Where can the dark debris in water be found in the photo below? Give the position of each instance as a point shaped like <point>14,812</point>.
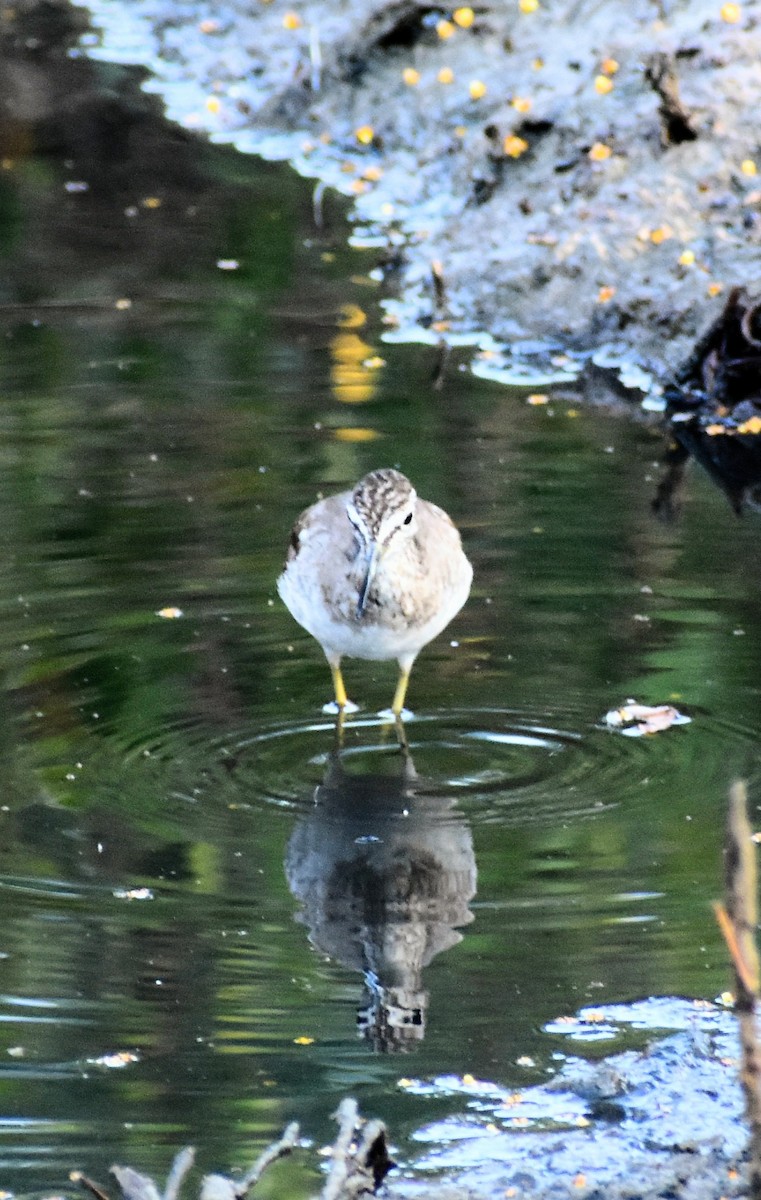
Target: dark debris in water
<point>714,409</point>
<point>359,1162</point>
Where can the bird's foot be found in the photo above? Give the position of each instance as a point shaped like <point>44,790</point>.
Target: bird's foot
<point>332,709</point>
<point>388,714</point>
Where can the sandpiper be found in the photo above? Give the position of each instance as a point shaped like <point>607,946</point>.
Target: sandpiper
<point>375,573</point>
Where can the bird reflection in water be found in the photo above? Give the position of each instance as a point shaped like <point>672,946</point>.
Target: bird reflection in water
<point>384,871</point>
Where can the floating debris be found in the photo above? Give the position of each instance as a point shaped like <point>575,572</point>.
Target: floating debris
<point>636,720</point>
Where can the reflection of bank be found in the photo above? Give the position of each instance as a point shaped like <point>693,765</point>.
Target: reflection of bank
<point>384,876</point>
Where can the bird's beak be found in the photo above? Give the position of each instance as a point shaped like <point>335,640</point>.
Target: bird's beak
<point>371,564</point>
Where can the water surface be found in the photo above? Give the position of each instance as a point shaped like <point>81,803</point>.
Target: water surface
<point>189,875</point>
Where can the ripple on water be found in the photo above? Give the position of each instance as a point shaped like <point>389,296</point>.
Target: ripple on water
<point>498,765</point>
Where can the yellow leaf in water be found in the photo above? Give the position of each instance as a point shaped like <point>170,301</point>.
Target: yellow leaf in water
<point>715,430</point>
<point>410,76</point>
<point>528,6</point>
<point>292,20</point>
<point>170,613</point>
<point>537,398</point>
<point>748,167</point>
<point>445,29</point>
<point>303,1041</point>
<point>661,234</point>
<point>603,85</point>
<point>445,75</point>
<point>364,134</point>
<point>605,294</point>
<point>522,104</point>
<point>686,258</point>
<point>469,1080</point>
<point>477,89</point>
<point>715,289</point>
<point>609,66</point>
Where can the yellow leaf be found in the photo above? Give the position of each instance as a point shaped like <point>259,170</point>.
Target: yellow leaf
<point>364,134</point>
<point>748,167</point>
<point>514,146</point>
<point>603,85</point>
<point>464,17</point>
<point>686,258</point>
<point>661,234</point>
<point>537,398</point>
<point>609,66</point>
<point>522,104</point>
<point>303,1041</point>
<point>731,13</point>
<point>715,430</point>
<point>605,294</point>
<point>477,89</point>
<point>528,6</point>
<point>292,20</point>
<point>752,425</point>
<point>715,289</point>
<point>410,76</point>
<point>445,75</point>
<point>445,29</point>
<point>599,152</point>
<point>170,613</point>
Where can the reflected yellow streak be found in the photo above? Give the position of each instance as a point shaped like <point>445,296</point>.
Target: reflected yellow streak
<point>351,380</point>
<point>355,434</point>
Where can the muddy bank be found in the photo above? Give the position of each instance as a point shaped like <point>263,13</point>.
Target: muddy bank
<point>663,1120</point>
<point>584,174</point>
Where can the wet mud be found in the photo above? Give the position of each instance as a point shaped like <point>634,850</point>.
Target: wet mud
<point>577,175</point>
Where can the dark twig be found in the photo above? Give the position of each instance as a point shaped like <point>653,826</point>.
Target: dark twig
<point>89,1185</point>
<point>360,1161</point>
<point>677,122</point>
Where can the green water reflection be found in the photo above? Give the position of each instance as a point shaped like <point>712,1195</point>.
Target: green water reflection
<point>163,420</point>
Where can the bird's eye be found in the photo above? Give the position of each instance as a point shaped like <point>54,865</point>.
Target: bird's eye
<point>408,519</point>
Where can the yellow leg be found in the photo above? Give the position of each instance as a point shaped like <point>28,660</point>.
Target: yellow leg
<point>338,685</point>
<point>401,689</point>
